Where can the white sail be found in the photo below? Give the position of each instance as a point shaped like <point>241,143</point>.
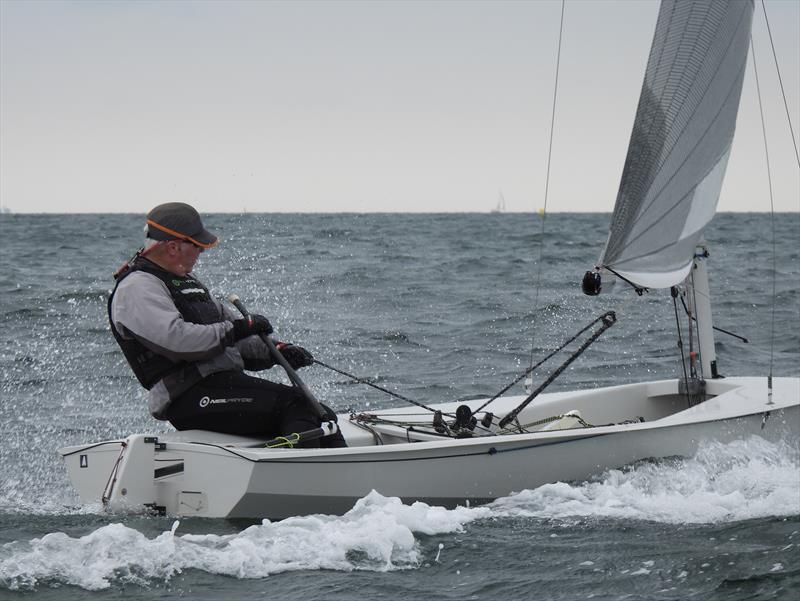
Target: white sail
<point>681,140</point>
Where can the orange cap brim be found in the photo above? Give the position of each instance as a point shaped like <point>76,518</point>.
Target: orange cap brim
<point>180,236</point>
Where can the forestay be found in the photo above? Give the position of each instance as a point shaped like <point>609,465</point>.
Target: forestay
<point>681,140</point>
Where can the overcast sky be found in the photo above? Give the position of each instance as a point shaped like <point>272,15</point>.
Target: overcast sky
<point>348,106</point>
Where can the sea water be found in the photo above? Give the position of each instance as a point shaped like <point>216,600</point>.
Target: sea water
<point>435,307</point>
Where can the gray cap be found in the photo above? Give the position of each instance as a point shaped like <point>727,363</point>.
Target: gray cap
<point>177,220</point>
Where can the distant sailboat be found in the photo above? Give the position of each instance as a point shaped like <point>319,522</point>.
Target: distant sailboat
<point>501,203</point>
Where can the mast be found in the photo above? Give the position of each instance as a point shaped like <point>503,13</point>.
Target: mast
<point>699,295</point>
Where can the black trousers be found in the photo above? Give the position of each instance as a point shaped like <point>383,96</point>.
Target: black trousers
<point>235,403</point>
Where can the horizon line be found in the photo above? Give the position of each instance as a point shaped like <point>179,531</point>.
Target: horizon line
<point>9,213</point>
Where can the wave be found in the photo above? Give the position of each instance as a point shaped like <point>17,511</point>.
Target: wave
<point>741,480</point>
<point>377,535</point>
<point>721,483</point>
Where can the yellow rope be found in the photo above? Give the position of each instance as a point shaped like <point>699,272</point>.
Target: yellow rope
<point>285,441</point>
<point>554,418</point>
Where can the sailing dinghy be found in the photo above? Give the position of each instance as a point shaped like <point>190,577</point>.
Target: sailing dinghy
<point>470,452</point>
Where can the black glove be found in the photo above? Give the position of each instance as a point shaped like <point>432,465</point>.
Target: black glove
<point>257,324</point>
<point>296,356</point>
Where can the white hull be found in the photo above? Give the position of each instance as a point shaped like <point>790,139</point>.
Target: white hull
<point>212,475</point>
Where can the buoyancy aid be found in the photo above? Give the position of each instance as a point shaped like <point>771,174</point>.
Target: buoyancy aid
<point>193,302</point>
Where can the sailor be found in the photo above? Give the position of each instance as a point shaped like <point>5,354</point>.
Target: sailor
<point>189,351</point>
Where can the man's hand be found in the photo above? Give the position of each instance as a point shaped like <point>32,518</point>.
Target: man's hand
<point>296,356</point>
<point>257,324</point>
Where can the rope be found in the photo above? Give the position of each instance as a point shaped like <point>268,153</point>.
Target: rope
<point>555,418</point>
<point>284,441</point>
<point>371,418</point>
<point>690,327</point>
<point>780,81</point>
<point>547,182</point>
<point>771,210</point>
<point>609,319</point>
<point>674,292</point>
<point>375,386</point>
<point>639,290</point>
<point>539,364</point>
<point>363,419</point>
<point>364,426</point>
<point>715,328</point>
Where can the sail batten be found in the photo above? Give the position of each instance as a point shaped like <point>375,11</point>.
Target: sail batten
<point>681,139</point>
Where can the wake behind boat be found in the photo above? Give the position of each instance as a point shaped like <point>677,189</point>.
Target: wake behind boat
<point>457,453</point>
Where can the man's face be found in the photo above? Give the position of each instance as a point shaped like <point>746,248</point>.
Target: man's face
<point>186,255</point>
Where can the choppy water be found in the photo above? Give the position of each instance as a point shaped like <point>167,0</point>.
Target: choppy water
<point>436,307</point>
